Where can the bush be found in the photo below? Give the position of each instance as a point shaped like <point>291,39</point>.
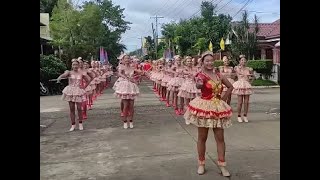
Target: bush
<point>261,82</point>
<point>50,67</point>
<point>261,66</point>
<point>218,63</point>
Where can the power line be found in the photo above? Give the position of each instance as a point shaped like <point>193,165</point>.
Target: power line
<point>230,10</point>
<point>224,5</point>
<point>249,1</point>
<point>262,12</point>
<point>161,7</point>
<point>200,8</point>
<point>183,9</point>
<point>172,12</point>
<point>147,30</point>
<point>218,10</point>
<point>168,11</point>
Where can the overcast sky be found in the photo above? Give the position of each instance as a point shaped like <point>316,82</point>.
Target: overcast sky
<point>138,12</point>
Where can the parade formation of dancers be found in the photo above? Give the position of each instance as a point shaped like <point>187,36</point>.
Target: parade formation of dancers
<point>191,85</point>
<point>84,86</point>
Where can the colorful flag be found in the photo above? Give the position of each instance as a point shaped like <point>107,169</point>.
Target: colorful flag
<point>210,46</point>
<point>222,44</point>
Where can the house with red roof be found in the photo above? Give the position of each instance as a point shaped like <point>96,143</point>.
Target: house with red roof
<point>268,45</point>
<point>269,41</point>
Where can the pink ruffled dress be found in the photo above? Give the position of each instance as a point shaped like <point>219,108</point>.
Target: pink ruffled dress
<point>242,85</point>
<point>188,88</point>
<point>73,92</point>
<point>166,77</point>
<point>126,89</point>
<point>175,83</point>
<point>159,76</point>
<point>153,75</point>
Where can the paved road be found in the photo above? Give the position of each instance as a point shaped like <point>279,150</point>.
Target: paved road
<point>160,146</point>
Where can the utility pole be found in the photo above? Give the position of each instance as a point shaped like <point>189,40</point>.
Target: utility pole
<point>156,34</point>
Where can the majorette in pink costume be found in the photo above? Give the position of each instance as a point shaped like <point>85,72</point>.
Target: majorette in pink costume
<point>74,92</point>
<point>159,75</point>
<point>175,83</point>
<point>209,110</point>
<point>93,85</point>
<point>126,89</point>
<point>166,76</point>
<point>242,85</point>
<point>90,88</point>
<point>188,88</point>
<point>153,72</point>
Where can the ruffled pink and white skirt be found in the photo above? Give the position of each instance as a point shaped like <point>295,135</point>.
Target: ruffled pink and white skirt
<point>188,89</point>
<point>73,94</point>
<point>153,76</point>
<point>166,78</point>
<point>117,82</point>
<point>242,87</point>
<point>126,90</point>
<point>175,83</point>
<point>158,77</point>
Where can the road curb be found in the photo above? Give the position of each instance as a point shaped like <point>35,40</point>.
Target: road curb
<point>264,87</point>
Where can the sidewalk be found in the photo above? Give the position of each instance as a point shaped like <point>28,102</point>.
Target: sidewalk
<point>160,146</point>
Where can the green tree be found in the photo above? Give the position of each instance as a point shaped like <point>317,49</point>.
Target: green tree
<point>161,49</point>
<point>188,37</point>
<point>50,67</point>
<point>150,45</point>
<point>46,6</point>
<point>244,40</point>
<point>201,45</point>
<point>81,31</point>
